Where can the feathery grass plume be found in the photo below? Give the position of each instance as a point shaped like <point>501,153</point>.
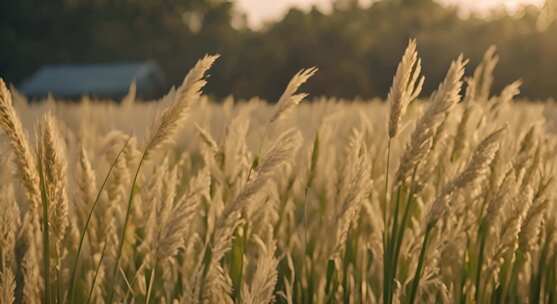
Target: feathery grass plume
<point>87,182</point>
<point>52,157</point>
<point>207,139</point>
<point>265,278</point>
<point>156,228</point>
<point>482,80</point>
<point>442,101</point>
<point>25,161</point>
<point>477,168</point>
<point>170,119</point>
<point>532,222</point>
<point>172,217</point>
<point>55,217</point>
<point>506,188</point>
<point>527,145</point>
<point>533,167</point>
<point>166,126</point>
<point>405,87</point>
<point>87,185</point>
<point>289,99</point>
<point>462,131</point>
<point>7,286</point>
<point>470,94</point>
<point>279,153</point>
<point>33,279</point>
<point>353,190</point>
<point>509,92</point>
<point>9,223</point>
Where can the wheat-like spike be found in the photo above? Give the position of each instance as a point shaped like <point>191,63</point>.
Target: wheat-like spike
<point>535,165</point>
<point>279,153</point>
<point>462,131</point>
<point>482,79</point>
<point>52,156</point>
<point>174,224</point>
<point>528,142</point>
<point>87,182</point>
<point>7,286</point>
<point>353,190</point>
<point>405,87</point>
<point>496,203</point>
<point>507,95</point>
<point>171,118</point>
<point>510,229</point>
<point>532,224</point>
<point>477,168</point>
<point>510,91</point>
<point>25,161</point>
<point>289,99</point>
<point>9,225</point>
<point>265,278</point>
<point>442,101</point>
<point>32,277</point>
<point>207,139</point>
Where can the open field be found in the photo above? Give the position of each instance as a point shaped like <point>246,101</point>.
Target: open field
<point>442,199</point>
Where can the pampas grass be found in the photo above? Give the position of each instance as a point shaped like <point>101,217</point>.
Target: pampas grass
<point>188,200</point>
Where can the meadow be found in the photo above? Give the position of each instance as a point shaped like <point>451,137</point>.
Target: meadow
<point>447,198</point>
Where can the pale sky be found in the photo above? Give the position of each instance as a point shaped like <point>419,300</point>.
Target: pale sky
<point>260,10</point>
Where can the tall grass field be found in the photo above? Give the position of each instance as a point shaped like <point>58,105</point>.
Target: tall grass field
<point>447,198</point>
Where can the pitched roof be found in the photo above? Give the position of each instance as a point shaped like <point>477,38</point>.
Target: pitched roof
<point>101,80</point>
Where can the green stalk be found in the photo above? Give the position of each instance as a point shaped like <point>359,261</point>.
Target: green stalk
<point>151,282</point>
<point>419,268</point>
<point>511,291</point>
<point>236,259</point>
<point>537,278</point>
<point>482,235</point>
<point>46,241</point>
<point>402,228</point>
<point>86,226</point>
<point>464,273</point>
<point>387,180</point>
<point>386,241</point>
<point>124,229</point>
<point>389,253</point>
<point>329,290</point>
<point>551,281</point>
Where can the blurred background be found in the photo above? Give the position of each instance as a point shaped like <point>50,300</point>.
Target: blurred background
<point>355,44</point>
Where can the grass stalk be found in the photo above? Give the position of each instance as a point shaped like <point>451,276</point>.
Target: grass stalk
<point>124,230</point>
<point>86,226</point>
<point>151,282</point>
<point>482,236</point>
<point>419,268</point>
<point>46,237</point>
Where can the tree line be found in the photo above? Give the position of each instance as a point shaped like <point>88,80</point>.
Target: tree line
<point>355,47</point>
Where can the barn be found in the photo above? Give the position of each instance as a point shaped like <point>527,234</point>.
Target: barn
<point>95,80</point>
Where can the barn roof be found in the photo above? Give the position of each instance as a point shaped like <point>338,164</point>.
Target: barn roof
<point>100,80</point>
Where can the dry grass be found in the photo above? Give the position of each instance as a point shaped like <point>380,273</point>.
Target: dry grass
<point>238,202</point>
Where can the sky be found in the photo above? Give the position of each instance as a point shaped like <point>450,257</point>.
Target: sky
<point>258,11</point>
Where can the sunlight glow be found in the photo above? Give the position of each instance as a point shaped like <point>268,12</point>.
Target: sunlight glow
<point>259,11</point>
